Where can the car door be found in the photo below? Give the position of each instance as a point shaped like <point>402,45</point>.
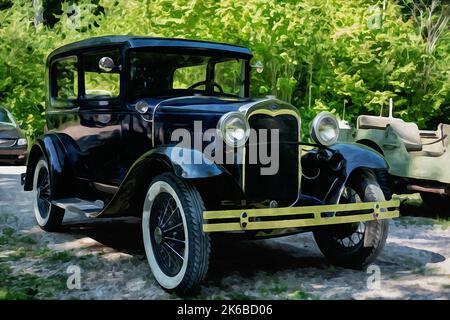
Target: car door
<point>84,110</point>
<point>101,117</point>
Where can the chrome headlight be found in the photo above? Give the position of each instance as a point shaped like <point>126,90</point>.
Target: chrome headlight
<point>324,129</point>
<point>234,129</point>
<point>22,142</point>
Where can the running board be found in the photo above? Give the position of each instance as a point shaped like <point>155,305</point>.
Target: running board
<point>89,209</point>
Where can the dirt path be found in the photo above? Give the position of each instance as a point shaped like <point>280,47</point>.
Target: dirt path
<point>415,263</point>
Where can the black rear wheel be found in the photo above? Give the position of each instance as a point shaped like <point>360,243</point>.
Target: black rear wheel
<point>48,216</point>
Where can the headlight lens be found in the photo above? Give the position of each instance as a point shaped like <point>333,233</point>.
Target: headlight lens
<point>325,129</point>
<point>234,129</point>
<point>22,142</point>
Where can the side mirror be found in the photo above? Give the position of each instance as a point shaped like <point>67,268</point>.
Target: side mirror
<point>106,64</point>
<point>258,66</point>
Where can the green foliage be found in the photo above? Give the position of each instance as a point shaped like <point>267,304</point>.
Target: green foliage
<point>25,286</point>
<point>317,53</point>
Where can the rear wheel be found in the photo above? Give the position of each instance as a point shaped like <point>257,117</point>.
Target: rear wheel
<point>48,216</point>
<point>177,249</point>
<point>355,245</point>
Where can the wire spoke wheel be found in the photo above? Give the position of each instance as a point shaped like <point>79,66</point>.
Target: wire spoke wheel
<point>168,237</point>
<point>176,247</point>
<point>48,216</point>
<point>355,245</point>
<point>43,192</point>
<point>350,235</point>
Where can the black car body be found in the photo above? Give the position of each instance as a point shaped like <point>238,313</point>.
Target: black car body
<point>114,105</point>
<point>13,143</point>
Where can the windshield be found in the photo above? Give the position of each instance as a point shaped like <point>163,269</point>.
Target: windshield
<point>155,74</point>
<point>6,117</point>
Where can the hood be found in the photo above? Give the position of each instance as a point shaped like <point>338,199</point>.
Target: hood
<point>200,104</point>
<point>185,112</point>
<point>8,131</point>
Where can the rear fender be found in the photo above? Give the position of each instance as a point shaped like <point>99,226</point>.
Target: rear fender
<point>52,148</point>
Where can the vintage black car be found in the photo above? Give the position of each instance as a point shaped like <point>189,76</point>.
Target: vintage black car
<point>13,143</point>
<point>165,130</point>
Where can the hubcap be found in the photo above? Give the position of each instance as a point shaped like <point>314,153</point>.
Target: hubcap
<point>158,235</point>
<point>167,230</point>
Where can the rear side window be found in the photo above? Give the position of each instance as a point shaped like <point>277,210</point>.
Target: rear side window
<point>99,84</point>
<point>65,75</point>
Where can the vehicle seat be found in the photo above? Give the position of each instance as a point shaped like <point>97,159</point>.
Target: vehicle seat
<point>433,144</point>
<point>374,122</point>
<point>408,132</point>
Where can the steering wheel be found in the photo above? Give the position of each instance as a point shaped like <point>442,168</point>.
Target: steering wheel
<point>200,83</point>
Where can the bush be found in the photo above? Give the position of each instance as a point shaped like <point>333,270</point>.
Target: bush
<point>318,54</point>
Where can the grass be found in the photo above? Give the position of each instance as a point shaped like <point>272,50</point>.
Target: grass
<point>425,271</point>
<point>9,236</point>
<point>21,285</point>
<point>275,290</point>
<point>444,223</point>
<point>239,296</point>
<point>25,286</point>
<point>415,212</point>
<point>301,295</point>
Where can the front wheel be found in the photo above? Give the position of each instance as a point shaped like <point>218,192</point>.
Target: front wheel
<point>177,249</point>
<point>355,245</point>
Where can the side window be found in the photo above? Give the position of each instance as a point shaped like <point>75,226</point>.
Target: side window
<point>185,77</point>
<point>65,79</point>
<point>99,84</point>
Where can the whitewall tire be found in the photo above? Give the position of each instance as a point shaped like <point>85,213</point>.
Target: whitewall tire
<point>48,216</point>
<point>177,250</point>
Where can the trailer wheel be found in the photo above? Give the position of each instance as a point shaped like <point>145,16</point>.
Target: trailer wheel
<point>355,245</point>
<point>177,249</point>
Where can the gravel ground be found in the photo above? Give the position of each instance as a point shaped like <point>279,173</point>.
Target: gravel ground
<point>414,264</point>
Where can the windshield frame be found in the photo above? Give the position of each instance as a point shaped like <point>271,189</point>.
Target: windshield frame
<point>190,51</point>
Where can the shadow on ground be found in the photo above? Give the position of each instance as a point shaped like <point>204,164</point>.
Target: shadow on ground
<point>246,258</point>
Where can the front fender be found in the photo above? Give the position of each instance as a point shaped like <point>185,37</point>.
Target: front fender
<point>356,157</point>
<point>359,156</point>
<point>329,183</point>
<point>128,199</point>
<point>186,163</point>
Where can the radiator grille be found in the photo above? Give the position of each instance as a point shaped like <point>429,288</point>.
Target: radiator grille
<point>5,143</point>
<point>284,185</point>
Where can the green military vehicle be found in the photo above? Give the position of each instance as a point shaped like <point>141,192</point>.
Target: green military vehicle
<point>418,159</point>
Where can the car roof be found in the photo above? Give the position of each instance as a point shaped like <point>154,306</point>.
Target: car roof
<point>142,41</point>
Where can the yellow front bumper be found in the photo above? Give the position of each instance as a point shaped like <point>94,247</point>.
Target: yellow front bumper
<point>293,217</point>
